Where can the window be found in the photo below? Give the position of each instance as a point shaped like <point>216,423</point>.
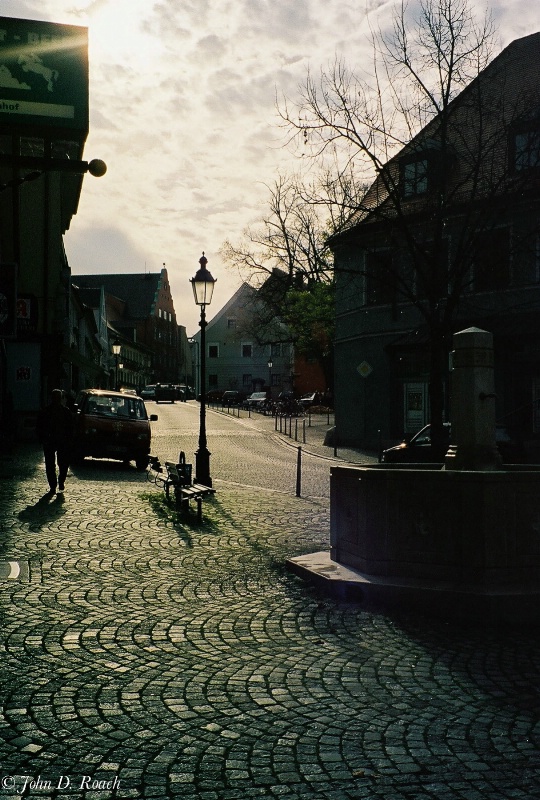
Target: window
<point>247,381</point>
<point>275,350</point>
<point>247,350</point>
<point>380,286</point>
<point>414,177</point>
<point>492,260</point>
<point>31,146</point>
<point>231,323</point>
<point>212,380</point>
<point>527,150</point>
<point>276,379</point>
<point>213,351</point>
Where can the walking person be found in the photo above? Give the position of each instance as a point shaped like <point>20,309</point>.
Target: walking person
<point>55,431</point>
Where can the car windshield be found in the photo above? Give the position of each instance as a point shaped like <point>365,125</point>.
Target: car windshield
<point>127,407</point>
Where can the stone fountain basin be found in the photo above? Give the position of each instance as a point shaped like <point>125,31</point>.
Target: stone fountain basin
<point>471,530</point>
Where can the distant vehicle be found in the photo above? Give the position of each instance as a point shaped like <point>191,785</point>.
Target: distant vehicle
<point>418,449</point>
<point>256,400</point>
<point>112,425</point>
<point>149,392</point>
<point>165,393</point>
<point>231,398</point>
<point>211,396</point>
<point>310,399</point>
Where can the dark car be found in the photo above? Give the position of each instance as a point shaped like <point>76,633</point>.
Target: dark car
<point>149,392</point>
<point>112,425</point>
<point>165,393</point>
<point>231,398</point>
<point>256,400</point>
<point>418,449</point>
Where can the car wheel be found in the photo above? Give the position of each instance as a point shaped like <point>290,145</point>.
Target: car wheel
<point>141,463</point>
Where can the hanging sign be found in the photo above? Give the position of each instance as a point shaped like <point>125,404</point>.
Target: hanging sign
<point>43,74</point>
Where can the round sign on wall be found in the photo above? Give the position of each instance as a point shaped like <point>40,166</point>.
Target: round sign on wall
<point>364,369</point>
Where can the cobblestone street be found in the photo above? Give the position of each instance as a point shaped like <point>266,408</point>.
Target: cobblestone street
<point>149,656</point>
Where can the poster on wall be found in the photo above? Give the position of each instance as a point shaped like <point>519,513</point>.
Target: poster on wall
<point>23,368</point>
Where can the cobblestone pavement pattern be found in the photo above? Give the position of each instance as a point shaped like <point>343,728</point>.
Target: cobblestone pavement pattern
<point>146,656</point>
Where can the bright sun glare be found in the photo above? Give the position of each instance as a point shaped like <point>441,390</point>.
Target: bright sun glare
<point>115,34</point>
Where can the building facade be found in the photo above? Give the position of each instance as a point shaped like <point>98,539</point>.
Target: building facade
<point>448,238</point>
<point>139,306</point>
<point>43,128</point>
<point>239,359</point>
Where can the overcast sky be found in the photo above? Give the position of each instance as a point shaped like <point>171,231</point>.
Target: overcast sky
<point>182,110</point>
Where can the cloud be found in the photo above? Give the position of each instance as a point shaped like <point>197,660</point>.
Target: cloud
<point>182,109</point>
<point>117,252</point>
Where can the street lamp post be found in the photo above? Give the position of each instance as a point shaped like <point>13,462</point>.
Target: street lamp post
<point>203,288</point>
<point>116,348</point>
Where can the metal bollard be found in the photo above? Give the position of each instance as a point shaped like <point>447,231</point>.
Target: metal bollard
<point>299,472</point>
<point>296,430</point>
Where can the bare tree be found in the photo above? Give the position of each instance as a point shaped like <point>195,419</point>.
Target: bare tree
<point>428,128</point>
<point>287,257</point>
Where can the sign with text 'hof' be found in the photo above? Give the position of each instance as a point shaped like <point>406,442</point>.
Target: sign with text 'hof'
<point>43,74</point>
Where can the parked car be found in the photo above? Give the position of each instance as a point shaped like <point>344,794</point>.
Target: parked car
<point>165,393</point>
<point>310,399</point>
<point>211,396</point>
<point>112,425</point>
<point>257,400</point>
<point>418,449</point>
<point>149,392</point>
<point>231,398</point>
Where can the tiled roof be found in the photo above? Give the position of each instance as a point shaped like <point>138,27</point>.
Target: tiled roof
<point>505,91</point>
<point>138,290</point>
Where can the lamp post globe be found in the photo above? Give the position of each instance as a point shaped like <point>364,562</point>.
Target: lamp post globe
<point>270,365</point>
<point>116,348</point>
<point>203,289</point>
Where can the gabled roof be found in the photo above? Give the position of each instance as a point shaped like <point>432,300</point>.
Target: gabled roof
<point>138,290</point>
<point>507,90</point>
<point>243,296</point>
<point>90,296</point>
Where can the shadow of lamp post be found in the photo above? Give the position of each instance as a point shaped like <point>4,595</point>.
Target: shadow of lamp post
<point>116,348</point>
<point>203,289</point>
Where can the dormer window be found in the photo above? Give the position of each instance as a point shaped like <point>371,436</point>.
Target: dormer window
<point>414,177</point>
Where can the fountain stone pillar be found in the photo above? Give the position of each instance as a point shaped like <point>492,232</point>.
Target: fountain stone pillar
<point>473,443</point>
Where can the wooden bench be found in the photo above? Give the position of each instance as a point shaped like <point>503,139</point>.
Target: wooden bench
<point>184,490</point>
